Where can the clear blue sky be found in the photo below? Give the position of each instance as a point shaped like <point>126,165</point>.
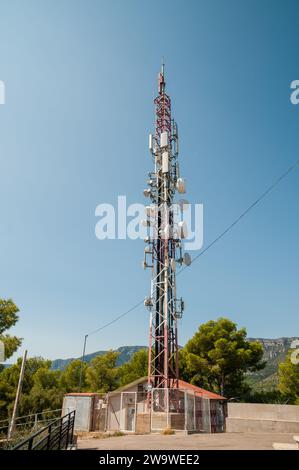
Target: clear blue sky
<point>80,78</point>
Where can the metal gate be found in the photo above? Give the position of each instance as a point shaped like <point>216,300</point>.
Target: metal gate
<point>128,411</point>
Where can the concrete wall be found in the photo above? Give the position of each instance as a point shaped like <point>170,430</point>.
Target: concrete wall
<point>143,423</point>
<point>259,417</point>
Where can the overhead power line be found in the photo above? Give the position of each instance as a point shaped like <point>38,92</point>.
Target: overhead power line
<point>116,318</point>
<point>249,208</point>
<point>212,243</point>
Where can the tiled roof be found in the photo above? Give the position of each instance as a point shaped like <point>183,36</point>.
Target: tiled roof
<point>131,384</point>
<point>202,391</point>
<point>83,394</point>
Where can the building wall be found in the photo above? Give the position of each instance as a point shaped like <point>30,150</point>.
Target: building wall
<point>129,414</point>
<point>143,423</point>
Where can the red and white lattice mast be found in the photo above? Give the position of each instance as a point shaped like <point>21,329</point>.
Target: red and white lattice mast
<point>164,245</point>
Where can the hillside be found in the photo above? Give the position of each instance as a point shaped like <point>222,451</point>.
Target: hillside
<point>275,351</point>
<point>126,352</point>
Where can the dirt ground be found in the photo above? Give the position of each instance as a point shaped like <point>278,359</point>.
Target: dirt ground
<point>229,441</point>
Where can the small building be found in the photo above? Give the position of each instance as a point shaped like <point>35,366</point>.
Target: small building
<point>189,408</point>
<point>90,410</point>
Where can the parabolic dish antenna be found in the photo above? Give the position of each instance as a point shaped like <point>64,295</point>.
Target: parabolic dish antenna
<point>187,259</point>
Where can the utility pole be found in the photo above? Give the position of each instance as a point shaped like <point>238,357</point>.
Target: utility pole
<point>82,362</point>
<point>16,404</point>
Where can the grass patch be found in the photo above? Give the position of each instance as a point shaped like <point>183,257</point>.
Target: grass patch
<point>168,432</point>
<point>117,434</point>
<point>98,434</point>
<point>109,434</point>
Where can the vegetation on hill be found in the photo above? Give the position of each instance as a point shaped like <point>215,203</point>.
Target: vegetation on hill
<point>125,354</point>
<point>275,353</point>
<point>288,374</point>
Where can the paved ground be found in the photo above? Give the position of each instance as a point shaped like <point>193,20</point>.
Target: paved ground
<point>229,441</point>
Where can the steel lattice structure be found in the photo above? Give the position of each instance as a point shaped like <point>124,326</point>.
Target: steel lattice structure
<point>164,247</point>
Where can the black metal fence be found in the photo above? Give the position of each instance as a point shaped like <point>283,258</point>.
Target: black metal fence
<point>28,423</point>
<point>56,436</point>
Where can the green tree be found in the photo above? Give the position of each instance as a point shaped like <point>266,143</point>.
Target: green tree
<point>70,377</point>
<point>45,393</point>
<point>8,318</point>
<point>265,396</point>
<point>40,390</point>
<point>135,368</point>
<point>102,374</point>
<point>218,356</point>
<point>288,379</point>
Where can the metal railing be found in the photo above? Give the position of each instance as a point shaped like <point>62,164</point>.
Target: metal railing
<point>33,420</point>
<point>56,436</point>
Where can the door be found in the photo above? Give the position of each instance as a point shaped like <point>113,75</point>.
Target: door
<point>130,418</point>
<point>128,412</point>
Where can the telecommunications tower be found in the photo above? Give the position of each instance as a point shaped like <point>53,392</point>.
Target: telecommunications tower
<point>163,250</point>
